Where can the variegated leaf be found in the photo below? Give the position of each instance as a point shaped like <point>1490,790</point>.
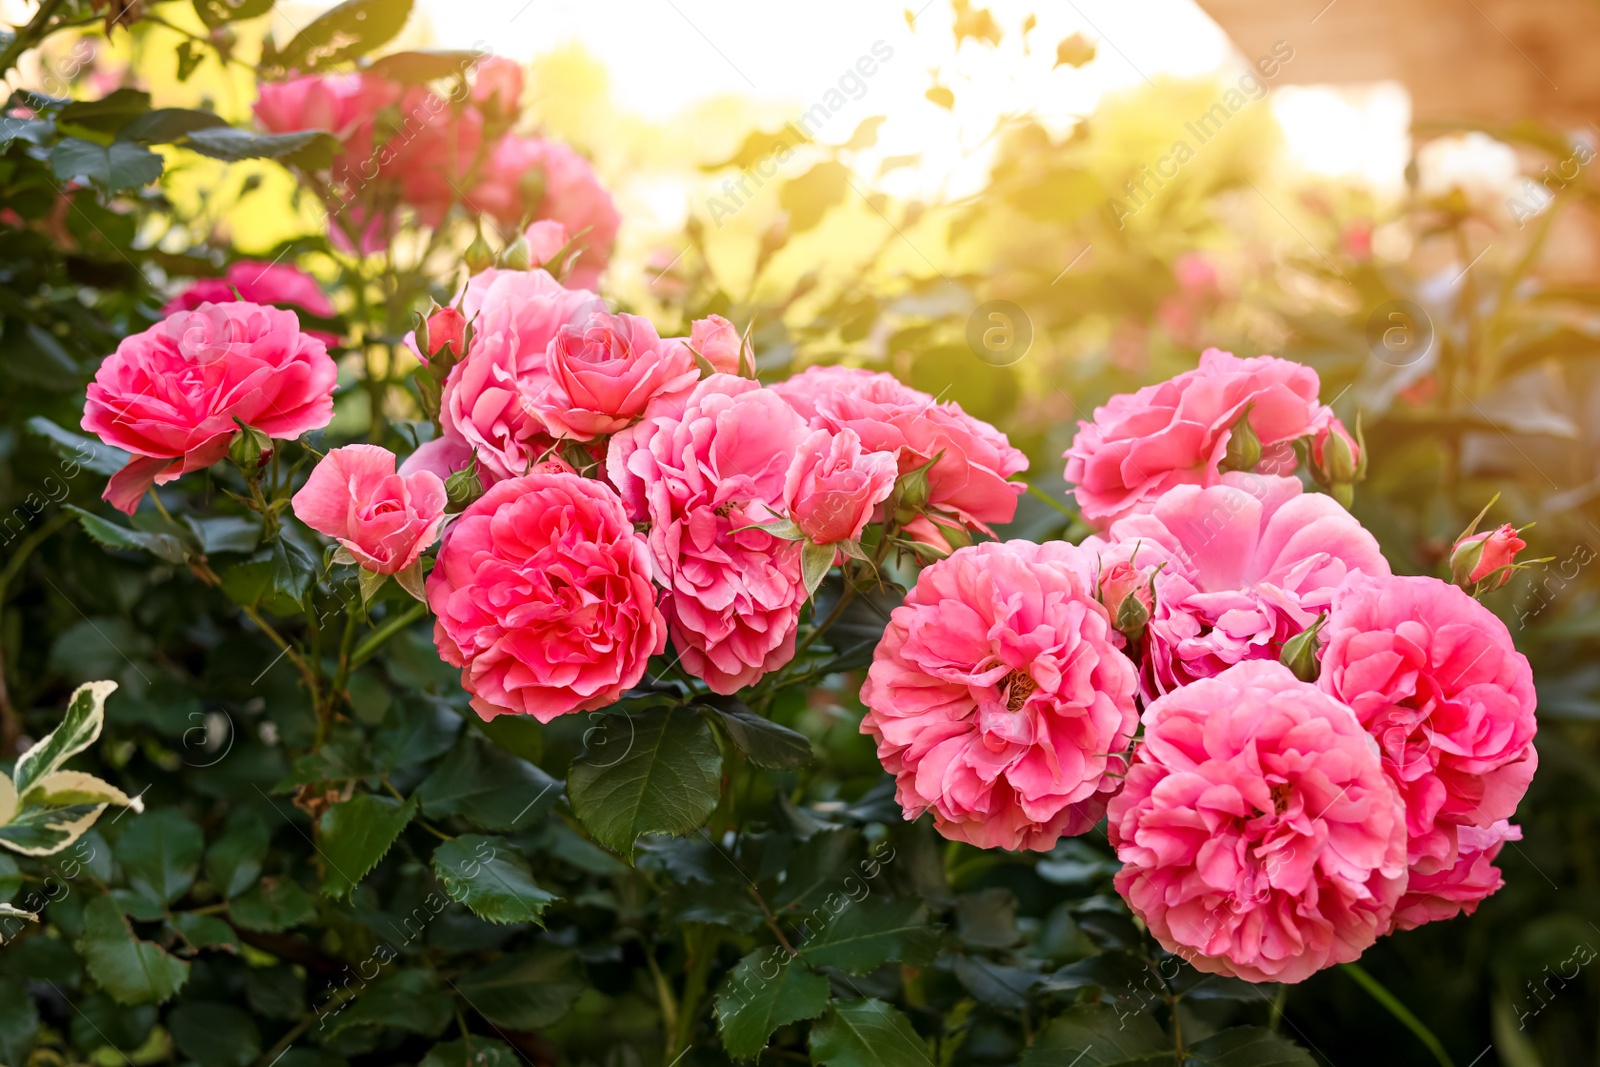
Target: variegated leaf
<point>10,911</point>
<point>58,809</point>
<point>86,712</point>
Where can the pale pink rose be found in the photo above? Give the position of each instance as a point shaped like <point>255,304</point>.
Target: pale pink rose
<point>1457,890</point>
<point>1176,433</point>
<point>546,239</point>
<point>486,397</point>
<point>497,87</point>
<point>718,342</point>
<point>998,698</point>
<point>604,371</point>
<point>832,486</point>
<point>385,520</point>
<point>1245,565</point>
<point>1259,834</point>
<point>170,394</point>
<point>1434,676</point>
<point>968,484</point>
<point>259,283</point>
<point>698,467</point>
<point>530,176</point>
<point>542,595</point>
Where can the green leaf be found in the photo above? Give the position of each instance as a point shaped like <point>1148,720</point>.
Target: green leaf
<point>160,855</point>
<point>104,116</point>
<point>818,869</point>
<point>866,1033</point>
<point>215,13</point>
<point>408,1000</point>
<point>414,68</point>
<point>310,149</point>
<point>815,562</point>
<point>130,970</point>
<point>415,732</point>
<point>205,931</point>
<point>489,787</point>
<point>274,905</point>
<point>19,1020</point>
<point>765,742</point>
<point>765,990</point>
<point>114,167</point>
<point>161,545</point>
<point>1096,1035</point>
<point>224,533</point>
<point>293,569</point>
<point>99,1020</point>
<point>808,197</point>
<point>1247,1046</point>
<point>666,780</point>
<point>215,1035</point>
<point>78,449</point>
<point>353,835</point>
<point>348,31</point>
<point>86,713</point>
<point>523,990</point>
<point>488,875</point>
<point>870,933</point>
<point>474,1051</point>
<point>233,863</point>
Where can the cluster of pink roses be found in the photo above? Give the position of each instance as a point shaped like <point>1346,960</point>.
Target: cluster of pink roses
<point>1329,752</point>
<point>408,144</point>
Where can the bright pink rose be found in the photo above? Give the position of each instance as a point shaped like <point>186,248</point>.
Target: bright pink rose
<point>1475,558</point>
<point>604,371</point>
<point>542,595</point>
<point>385,520</point>
<point>170,394</point>
<point>259,283</point>
<point>718,342</point>
<point>832,486</point>
<point>549,180</point>
<point>968,483</point>
<point>998,698</point>
<point>1176,433</point>
<point>446,326</point>
<point>333,102</point>
<point>1248,564</point>
<point>1433,675</point>
<point>699,467</point>
<point>1260,835</point>
<point>1457,890</point>
<point>443,456</point>
<point>486,397</point>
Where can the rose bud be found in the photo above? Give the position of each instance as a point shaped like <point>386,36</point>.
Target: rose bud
<point>1244,446</point>
<point>1490,554</point>
<point>443,337</point>
<point>1128,593</point>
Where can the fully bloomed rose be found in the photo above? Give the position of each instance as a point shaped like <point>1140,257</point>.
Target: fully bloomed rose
<point>1433,675</point>
<point>1243,566</point>
<point>701,467</point>
<point>542,595</point>
<point>338,103</point>
<point>170,395</point>
<point>385,520</point>
<point>486,401</point>
<point>603,373</point>
<point>1176,433</point>
<point>1459,889</point>
<point>259,283</point>
<point>1259,834</point>
<point>998,697</point>
<point>530,176</point>
<point>968,481</point>
<point>832,486</point>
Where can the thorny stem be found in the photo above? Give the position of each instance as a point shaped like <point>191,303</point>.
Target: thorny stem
<point>772,921</point>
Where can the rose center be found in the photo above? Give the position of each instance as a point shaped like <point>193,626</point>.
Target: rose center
<point>1019,687</point>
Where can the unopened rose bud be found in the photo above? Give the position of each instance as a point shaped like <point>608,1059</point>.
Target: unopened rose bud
<point>443,337</point>
<point>545,241</point>
<point>463,487</point>
<point>1128,593</point>
<point>1244,447</point>
<point>478,256</point>
<point>1489,555</point>
<point>250,449</point>
<point>1299,653</point>
<point>1336,458</point>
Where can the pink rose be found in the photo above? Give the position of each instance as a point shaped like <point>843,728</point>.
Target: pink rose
<point>486,398</point>
<point>718,342</point>
<point>332,102</point>
<point>432,154</point>
<point>832,486</point>
<point>1433,675</point>
<point>443,456</point>
<point>385,520</point>
<point>968,483</point>
<point>170,394</point>
<point>998,698</point>
<point>1457,890</point>
<point>698,468</point>
<point>259,283</point>
<point>1245,565</point>
<point>1259,833</point>
<point>1476,557</point>
<point>604,371</point>
<point>546,239</point>
<point>1176,433</point>
<point>497,88</point>
<point>549,180</point>
<point>542,595</point>
<point>446,326</point>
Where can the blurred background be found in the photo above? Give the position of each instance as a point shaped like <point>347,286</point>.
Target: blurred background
<point>1028,207</point>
